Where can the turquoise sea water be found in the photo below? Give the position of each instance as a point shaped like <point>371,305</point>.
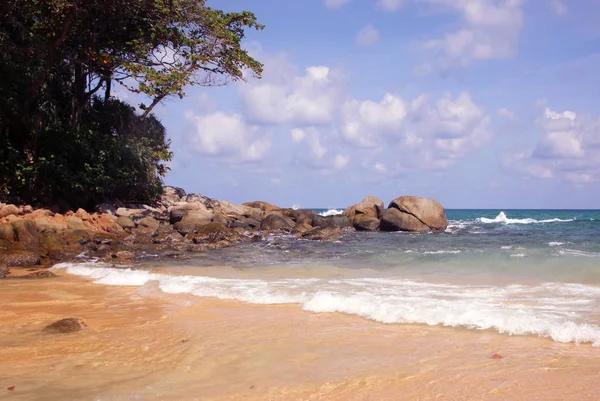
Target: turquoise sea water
<point>520,272</point>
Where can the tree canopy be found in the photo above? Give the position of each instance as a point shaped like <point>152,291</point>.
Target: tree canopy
<point>62,133</point>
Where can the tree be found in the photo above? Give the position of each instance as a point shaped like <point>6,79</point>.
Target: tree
<point>64,57</point>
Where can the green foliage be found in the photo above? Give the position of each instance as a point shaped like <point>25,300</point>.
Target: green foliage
<point>62,135</point>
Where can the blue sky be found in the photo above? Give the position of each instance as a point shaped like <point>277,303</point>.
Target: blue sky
<point>477,103</point>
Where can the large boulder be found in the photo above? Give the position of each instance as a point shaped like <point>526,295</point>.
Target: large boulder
<point>363,222</point>
<point>276,221</point>
<point>264,206</point>
<point>337,221</point>
<point>414,214</point>
<point>27,235</point>
<point>172,195</point>
<point>8,210</point>
<point>370,206</point>
<point>7,232</point>
<point>302,216</point>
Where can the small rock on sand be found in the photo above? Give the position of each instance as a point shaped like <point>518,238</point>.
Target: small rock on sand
<point>68,325</point>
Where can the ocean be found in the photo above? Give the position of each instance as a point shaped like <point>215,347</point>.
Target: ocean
<point>516,272</point>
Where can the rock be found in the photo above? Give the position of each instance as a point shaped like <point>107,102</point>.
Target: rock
<point>7,232</point>
<point>197,217</point>
<point>18,258</point>
<point>323,234</point>
<point>213,233</point>
<point>246,223</point>
<point>221,219</point>
<point>106,224</point>
<point>233,209</point>
<point>275,221</point>
<point>172,237</point>
<point>193,211</point>
<point>105,208</point>
<point>56,246</point>
<point>411,213</point>
<point>56,223</point>
<point>302,216</point>
<point>209,203</point>
<point>68,325</point>
<point>172,195</point>
<point>8,210</point>
<point>75,223</point>
<point>147,225</point>
<point>497,356</point>
<point>4,271</point>
<point>125,222</point>
<point>4,244</point>
<point>27,235</point>
<point>83,215</point>
<point>41,213</point>
<point>124,256</point>
<point>370,206</point>
<point>79,237</point>
<point>40,274</point>
<point>363,222</point>
<point>264,206</point>
<point>126,212</point>
<point>338,221</point>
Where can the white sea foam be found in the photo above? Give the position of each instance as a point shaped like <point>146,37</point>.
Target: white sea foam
<point>575,252</point>
<point>562,312</point>
<point>501,218</point>
<point>507,247</point>
<point>518,255</point>
<point>331,212</point>
<point>442,252</point>
<point>555,243</point>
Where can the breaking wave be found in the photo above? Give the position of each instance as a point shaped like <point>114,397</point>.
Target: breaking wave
<point>501,218</point>
<point>331,212</point>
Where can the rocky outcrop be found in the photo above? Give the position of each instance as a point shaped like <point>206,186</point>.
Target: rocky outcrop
<point>338,221</point>
<point>323,234</point>
<point>18,258</point>
<point>414,214</point>
<point>365,215</point>
<point>277,221</point>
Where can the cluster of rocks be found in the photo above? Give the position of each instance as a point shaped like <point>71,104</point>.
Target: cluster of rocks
<point>184,223</point>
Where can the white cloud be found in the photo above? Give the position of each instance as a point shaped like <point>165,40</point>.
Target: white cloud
<point>335,3</point>
<point>559,7</point>
<point>390,5</point>
<point>340,161</point>
<point>380,167</point>
<point>506,113</point>
<point>224,134</point>
<point>567,148</point>
<point>283,97</point>
<point>367,36</point>
<point>490,30</point>
<point>363,122</point>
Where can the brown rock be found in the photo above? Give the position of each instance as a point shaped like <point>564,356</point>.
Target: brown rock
<point>323,234</point>
<point>83,215</point>
<point>497,356</point>
<point>125,222</point>
<point>213,233</point>
<point>124,256</point>
<point>4,244</point>
<point>338,221</point>
<point>370,206</point>
<point>27,235</point>
<point>302,216</point>
<point>75,223</point>
<point>276,221</point>
<point>4,271</point>
<point>264,206</point>
<point>68,325</point>
<point>172,195</point>
<point>17,258</point>
<point>7,232</point>
<point>56,223</point>
<point>147,225</point>
<point>79,237</point>
<point>40,213</point>
<point>8,210</point>
<point>245,222</point>
<point>411,213</point>
<point>106,224</point>
<point>363,222</point>
<point>55,245</point>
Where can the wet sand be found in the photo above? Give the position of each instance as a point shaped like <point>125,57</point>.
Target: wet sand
<point>141,344</point>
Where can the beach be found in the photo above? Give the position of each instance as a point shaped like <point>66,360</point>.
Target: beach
<point>143,344</point>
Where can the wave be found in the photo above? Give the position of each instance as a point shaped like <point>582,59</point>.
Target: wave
<point>501,218</point>
<point>561,312</point>
<point>331,212</point>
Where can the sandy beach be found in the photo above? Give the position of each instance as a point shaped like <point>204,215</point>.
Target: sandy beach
<point>143,344</point>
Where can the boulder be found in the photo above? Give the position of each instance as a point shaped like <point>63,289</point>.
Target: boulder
<point>55,224</point>
<point>39,274</point>
<point>77,237</point>
<point>26,233</point>
<point>323,234</point>
<point>8,210</point>
<point>264,206</point>
<point>212,233</point>
<point>83,215</point>
<point>338,221</point>
<point>7,232</point>
<point>41,213</point>
<point>370,206</point>
<point>19,258</point>
<point>363,222</point>
<point>209,203</point>
<point>195,210</point>
<point>106,224</point>
<point>415,214</point>
<point>245,222</point>
<point>4,271</point>
<point>276,221</point>
<point>147,225</point>
<point>302,216</point>
<point>4,244</point>
<point>68,325</point>
<point>197,217</point>
<point>75,223</point>
<point>172,195</point>
<point>125,222</point>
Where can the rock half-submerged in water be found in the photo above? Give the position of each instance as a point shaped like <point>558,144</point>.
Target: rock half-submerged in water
<point>414,214</point>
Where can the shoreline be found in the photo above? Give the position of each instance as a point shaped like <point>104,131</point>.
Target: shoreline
<point>142,343</point>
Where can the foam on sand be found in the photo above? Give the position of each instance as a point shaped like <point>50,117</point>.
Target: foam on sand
<point>562,312</point>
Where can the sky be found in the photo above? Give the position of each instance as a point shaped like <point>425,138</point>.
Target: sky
<point>475,103</point>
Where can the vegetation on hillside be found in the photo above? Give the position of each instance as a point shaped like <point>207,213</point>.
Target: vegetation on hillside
<point>63,135</point>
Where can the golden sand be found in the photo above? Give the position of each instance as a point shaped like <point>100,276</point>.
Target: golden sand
<point>141,344</point>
